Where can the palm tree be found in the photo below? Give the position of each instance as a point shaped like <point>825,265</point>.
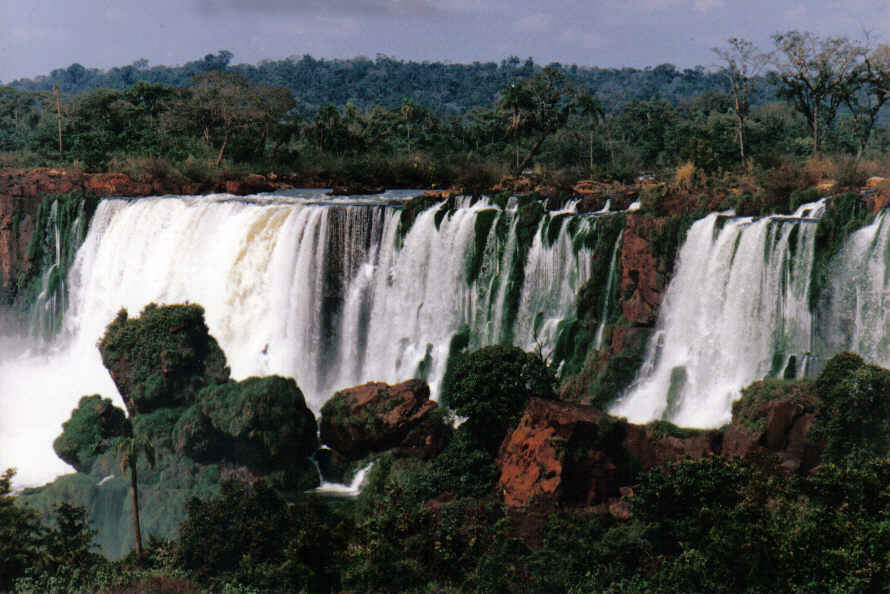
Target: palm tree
<point>516,100</point>
<point>592,109</point>
<point>129,449</point>
<point>408,110</point>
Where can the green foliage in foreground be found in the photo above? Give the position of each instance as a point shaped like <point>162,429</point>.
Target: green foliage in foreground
<point>708,525</point>
<point>491,387</point>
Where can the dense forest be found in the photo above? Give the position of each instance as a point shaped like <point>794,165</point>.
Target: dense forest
<point>444,88</point>
<point>406,124</point>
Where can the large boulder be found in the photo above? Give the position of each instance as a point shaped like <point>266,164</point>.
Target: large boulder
<point>772,421</point>
<point>376,416</point>
<point>262,422</point>
<point>163,357</point>
<point>90,431</point>
<point>559,453</point>
<point>571,454</point>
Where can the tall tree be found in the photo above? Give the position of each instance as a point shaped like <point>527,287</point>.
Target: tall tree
<point>129,450</point>
<point>517,101</point>
<point>541,103</point>
<point>870,94</point>
<point>591,108</point>
<point>408,111</point>
<point>743,62</point>
<point>817,75</point>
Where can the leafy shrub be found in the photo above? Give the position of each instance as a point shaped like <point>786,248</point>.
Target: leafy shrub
<point>855,420</point>
<point>253,537</point>
<point>491,387</point>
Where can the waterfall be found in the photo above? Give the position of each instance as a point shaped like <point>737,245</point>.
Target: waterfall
<point>607,300</point>
<point>736,311</point>
<point>854,312</point>
<point>300,285</point>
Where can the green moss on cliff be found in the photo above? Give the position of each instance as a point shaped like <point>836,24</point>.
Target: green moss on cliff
<point>265,417</point>
<point>481,230</point>
<point>843,215</point>
<point>60,226</point>
<point>576,333</point>
<point>528,219</point>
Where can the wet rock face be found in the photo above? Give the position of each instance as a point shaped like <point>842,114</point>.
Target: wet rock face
<point>642,282</point>
<point>376,416</point>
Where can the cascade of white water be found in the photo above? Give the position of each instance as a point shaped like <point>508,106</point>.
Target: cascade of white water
<point>855,313</point>
<point>553,275</point>
<point>607,300</point>
<point>735,311</point>
<point>307,287</point>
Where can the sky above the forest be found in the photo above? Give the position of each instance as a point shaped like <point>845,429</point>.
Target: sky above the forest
<point>37,36</point>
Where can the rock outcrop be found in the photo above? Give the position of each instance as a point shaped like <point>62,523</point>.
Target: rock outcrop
<point>375,417</point>
<point>261,422</point>
<point>772,422</point>
<point>570,454</point>
<point>163,357</point>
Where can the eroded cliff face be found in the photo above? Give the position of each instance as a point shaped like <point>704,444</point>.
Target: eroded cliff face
<point>643,275</point>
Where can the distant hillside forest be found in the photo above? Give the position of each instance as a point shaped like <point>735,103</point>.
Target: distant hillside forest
<point>408,124</point>
<point>443,88</point>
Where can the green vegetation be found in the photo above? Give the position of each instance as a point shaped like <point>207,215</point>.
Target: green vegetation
<point>439,525</point>
<point>855,424</point>
<point>163,357</point>
<point>844,214</point>
<point>90,431</point>
<point>491,387</point>
<point>405,124</point>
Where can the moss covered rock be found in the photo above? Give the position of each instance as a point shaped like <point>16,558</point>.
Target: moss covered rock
<point>163,357</point>
<point>90,431</point>
<point>264,420</point>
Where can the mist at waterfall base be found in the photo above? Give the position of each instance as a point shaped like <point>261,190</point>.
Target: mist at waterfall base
<point>298,284</point>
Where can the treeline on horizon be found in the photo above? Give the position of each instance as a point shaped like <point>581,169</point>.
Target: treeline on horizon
<point>444,88</point>
<point>410,124</point>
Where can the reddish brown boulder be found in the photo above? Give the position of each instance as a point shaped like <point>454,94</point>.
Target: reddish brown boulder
<point>571,454</point>
<point>556,455</point>
<point>375,417</point>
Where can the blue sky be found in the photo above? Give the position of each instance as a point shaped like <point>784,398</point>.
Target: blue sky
<point>37,36</point>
